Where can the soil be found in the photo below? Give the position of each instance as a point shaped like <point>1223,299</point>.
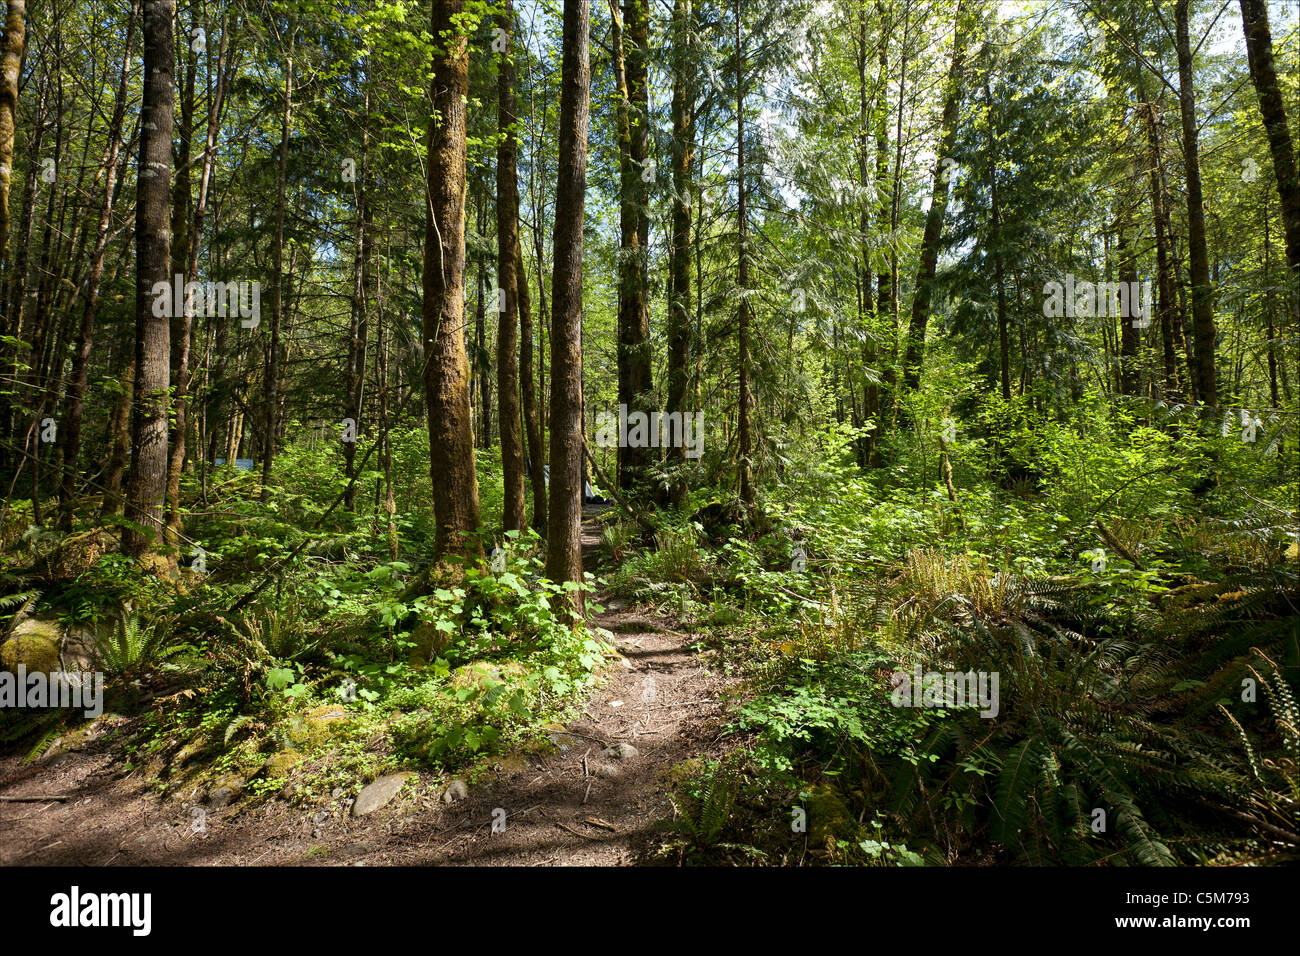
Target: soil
<point>573,805</point>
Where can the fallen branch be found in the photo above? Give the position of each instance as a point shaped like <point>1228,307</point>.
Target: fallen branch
<point>1108,536</point>
<point>41,799</point>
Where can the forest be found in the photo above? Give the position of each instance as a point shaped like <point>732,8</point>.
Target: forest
<point>686,433</point>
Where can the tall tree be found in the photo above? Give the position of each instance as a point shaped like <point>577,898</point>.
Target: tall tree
<point>931,239</point>
<point>144,495</point>
<point>564,531</point>
<point>1203,330</point>
<point>271,384</point>
<point>188,266</point>
<point>358,313</point>
<point>11,58</point>
<point>744,423</point>
<point>509,278</point>
<point>634,383</point>
<point>74,404</point>
<point>679,268</point>
<point>446,368</point>
<point>1259,52</point>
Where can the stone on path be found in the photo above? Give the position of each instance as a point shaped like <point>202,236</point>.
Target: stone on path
<point>455,791</point>
<point>378,794</point>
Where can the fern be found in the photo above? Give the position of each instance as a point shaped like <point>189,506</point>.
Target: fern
<point>133,645</point>
<point>703,816</point>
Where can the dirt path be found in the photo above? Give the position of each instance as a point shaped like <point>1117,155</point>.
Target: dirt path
<point>592,800</point>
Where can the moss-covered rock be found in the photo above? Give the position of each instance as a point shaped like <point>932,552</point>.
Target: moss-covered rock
<point>829,817</point>
<point>34,644</point>
<point>279,766</point>
<point>317,727</point>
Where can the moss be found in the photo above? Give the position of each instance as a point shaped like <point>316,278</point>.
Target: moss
<point>279,766</point>
<point>430,642</point>
<point>34,645</point>
<point>829,817</point>
<point>318,727</point>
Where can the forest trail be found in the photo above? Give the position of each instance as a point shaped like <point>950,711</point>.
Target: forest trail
<point>578,803</point>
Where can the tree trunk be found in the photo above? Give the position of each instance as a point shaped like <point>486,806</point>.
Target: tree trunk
<point>1203,330</point>
<point>509,278</point>
<point>1129,336</point>
<point>744,436</point>
<point>1164,278</point>
<point>144,496</point>
<point>11,57</point>
<point>930,240</point>
<point>182,333</point>
<point>446,376</point>
<point>995,240</point>
<point>70,432</point>
<point>564,532</point>
<point>679,266</point>
<point>634,383</point>
<point>271,385</point>
<point>1259,51</point>
<point>358,331</point>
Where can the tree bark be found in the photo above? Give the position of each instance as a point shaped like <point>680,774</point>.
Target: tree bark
<point>1203,330</point>
<point>446,370</point>
<point>183,331</point>
<point>679,267</point>
<point>634,382</point>
<point>271,385</point>
<point>1259,51</point>
<point>358,314</point>
<point>930,240</point>
<point>11,57</point>
<point>509,278</point>
<point>564,532</point>
<point>144,496</point>
<point>74,406</point>
<point>744,434</point>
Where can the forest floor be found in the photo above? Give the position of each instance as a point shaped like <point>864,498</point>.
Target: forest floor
<point>576,803</point>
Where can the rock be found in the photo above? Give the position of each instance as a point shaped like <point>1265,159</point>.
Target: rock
<point>456,790</point>
<point>564,741</point>
<point>607,772</point>
<point>225,791</point>
<point>279,765</point>
<point>34,644</point>
<point>621,751</point>
<point>378,794</point>
<point>78,652</point>
<point>317,727</point>
<point>510,763</point>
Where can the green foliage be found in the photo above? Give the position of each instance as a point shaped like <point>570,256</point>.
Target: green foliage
<point>134,644</point>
